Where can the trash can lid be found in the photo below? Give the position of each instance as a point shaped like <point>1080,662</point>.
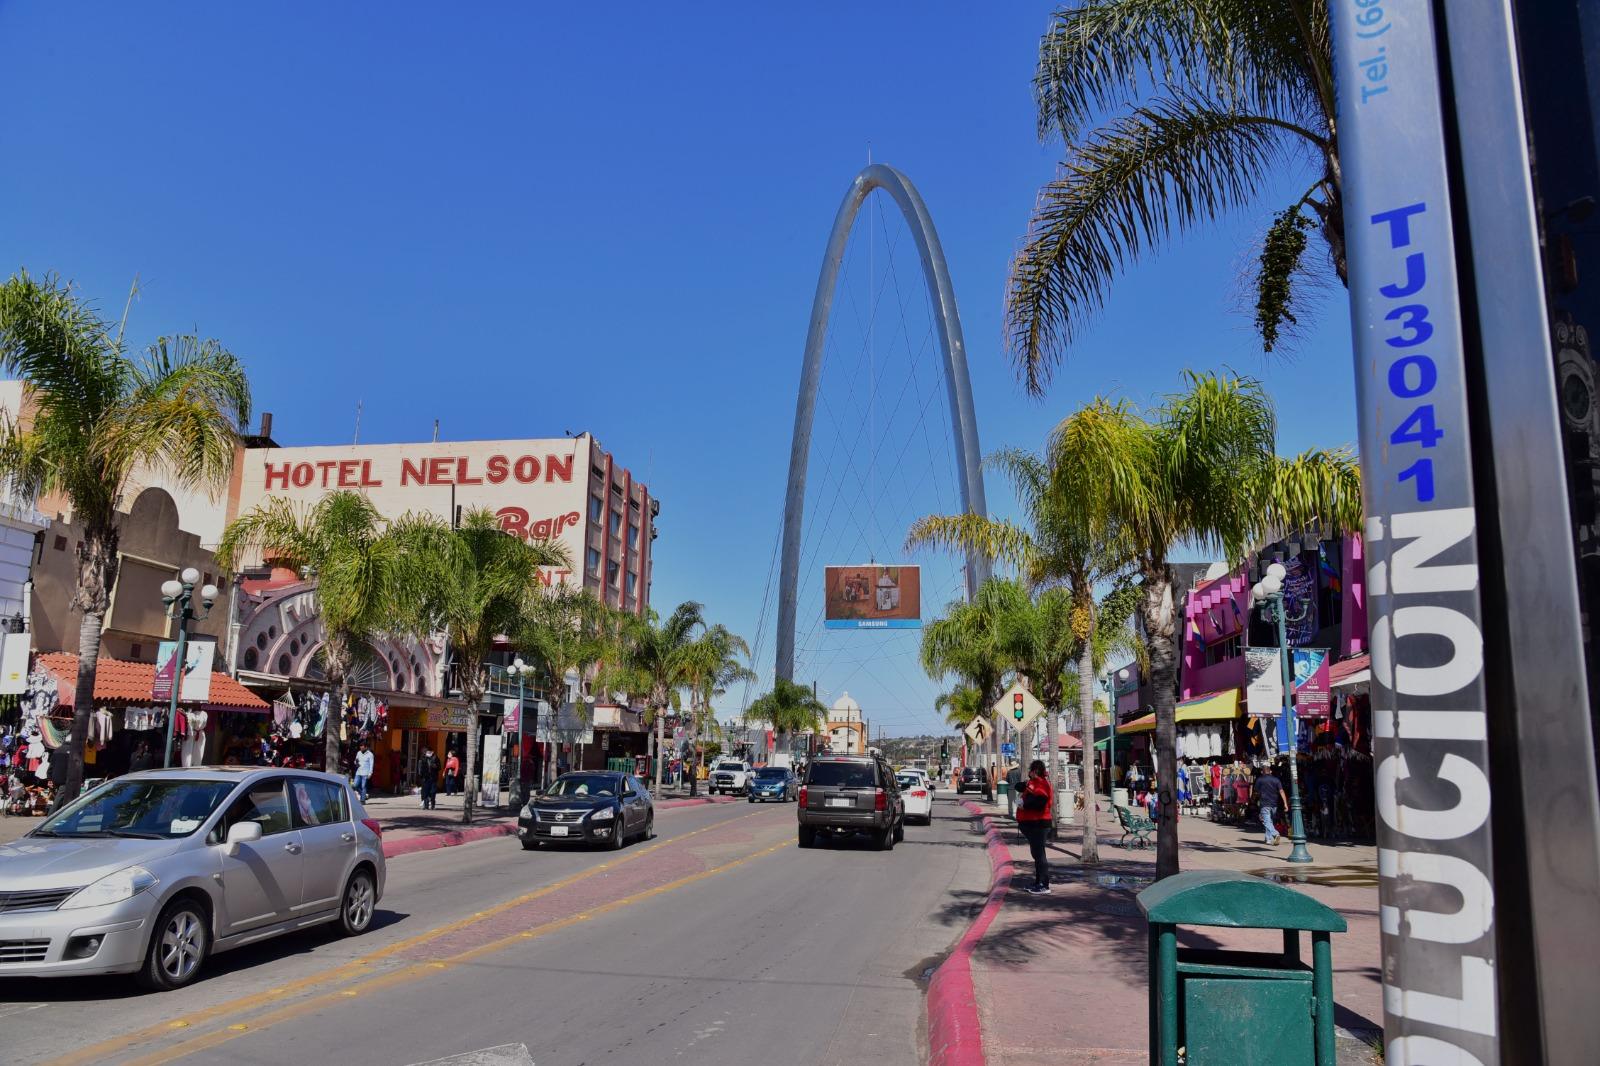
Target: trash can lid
<point>1237,900</point>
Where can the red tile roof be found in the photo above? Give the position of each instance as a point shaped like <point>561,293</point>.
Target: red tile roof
<point>120,681</point>
<point>1341,670</point>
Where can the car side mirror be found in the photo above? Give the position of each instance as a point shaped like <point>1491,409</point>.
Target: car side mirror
<point>241,833</point>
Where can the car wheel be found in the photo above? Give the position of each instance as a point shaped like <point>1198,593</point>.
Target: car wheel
<point>178,945</point>
<point>529,844</point>
<point>883,840</point>
<point>899,830</point>
<point>749,799</point>
<point>808,836</point>
<point>360,897</point>
<point>650,827</point>
<point>619,833</point>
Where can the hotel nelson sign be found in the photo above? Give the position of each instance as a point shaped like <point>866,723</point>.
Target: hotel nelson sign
<point>536,489</point>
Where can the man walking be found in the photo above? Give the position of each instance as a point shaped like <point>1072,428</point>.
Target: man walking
<point>1013,784</point>
<point>363,770</point>
<point>428,778</point>
<point>1269,794</point>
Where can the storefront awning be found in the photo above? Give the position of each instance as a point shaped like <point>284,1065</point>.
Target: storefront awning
<point>1352,672</point>
<point>119,682</point>
<point>1213,707</point>
<point>1143,724</point>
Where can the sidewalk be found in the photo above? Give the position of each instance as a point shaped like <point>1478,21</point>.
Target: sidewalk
<point>1060,979</point>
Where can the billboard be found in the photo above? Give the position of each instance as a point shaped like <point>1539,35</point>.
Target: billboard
<point>538,489</point>
<point>872,597</point>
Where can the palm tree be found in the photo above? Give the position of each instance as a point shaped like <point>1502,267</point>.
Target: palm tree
<point>566,631</point>
<point>1203,105</point>
<point>93,417</point>
<point>964,644</point>
<point>476,585</point>
<point>790,708</point>
<point>1070,541</point>
<point>1200,471</point>
<point>711,663</point>
<point>653,662</point>
<point>960,705</point>
<point>362,581</point>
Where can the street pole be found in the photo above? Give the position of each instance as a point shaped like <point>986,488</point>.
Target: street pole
<point>181,594</point>
<point>1269,591</point>
<point>519,670</point>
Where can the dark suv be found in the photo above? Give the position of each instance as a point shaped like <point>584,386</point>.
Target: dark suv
<point>973,779</point>
<point>851,794</point>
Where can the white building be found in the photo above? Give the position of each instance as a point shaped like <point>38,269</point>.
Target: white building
<point>847,730</point>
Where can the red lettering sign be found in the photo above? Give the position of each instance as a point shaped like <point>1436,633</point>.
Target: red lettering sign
<point>557,465</point>
<point>514,520</point>
<point>461,474</point>
<point>279,472</point>
<point>526,470</point>
<point>367,480</point>
<point>499,468</point>
<point>302,475</point>
<point>412,473</point>
<point>439,470</point>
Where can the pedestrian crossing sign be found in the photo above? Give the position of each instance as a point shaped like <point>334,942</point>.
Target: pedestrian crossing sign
<point>978,730</point>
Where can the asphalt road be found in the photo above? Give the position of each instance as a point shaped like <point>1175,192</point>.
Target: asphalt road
<point>719,942</point>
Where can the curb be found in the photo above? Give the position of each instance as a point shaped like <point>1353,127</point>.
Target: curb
<point>430,842</point>
<point>409,845</point>
<point>955,1037</point>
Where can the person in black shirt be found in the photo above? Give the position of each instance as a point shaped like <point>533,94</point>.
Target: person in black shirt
<point>1269,794</point>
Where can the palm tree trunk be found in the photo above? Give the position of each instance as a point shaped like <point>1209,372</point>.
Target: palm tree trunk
<point>1090,853</point>
<point>469,762</point>
<point>1159,627</point>
<point>82,707</point>
<point>336,659</point>
<point>661,739</point>
<point>694,745</point>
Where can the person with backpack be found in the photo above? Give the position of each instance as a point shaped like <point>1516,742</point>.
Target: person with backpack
<point>1034,805</point>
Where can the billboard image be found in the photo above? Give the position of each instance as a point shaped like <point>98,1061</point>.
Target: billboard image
<point>872,597</point>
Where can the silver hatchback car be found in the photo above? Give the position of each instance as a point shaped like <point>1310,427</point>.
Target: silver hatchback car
<point>152,872</point>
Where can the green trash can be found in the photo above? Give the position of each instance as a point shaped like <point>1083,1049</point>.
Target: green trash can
<point>1240,1008</point>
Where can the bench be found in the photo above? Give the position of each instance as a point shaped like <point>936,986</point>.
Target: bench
<point>1136,826</point>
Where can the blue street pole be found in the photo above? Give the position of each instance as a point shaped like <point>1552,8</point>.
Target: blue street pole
<point>1269,592</point>
<point>180,593</point>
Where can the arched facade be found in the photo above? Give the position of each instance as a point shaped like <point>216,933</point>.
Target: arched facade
<point>963,422</point>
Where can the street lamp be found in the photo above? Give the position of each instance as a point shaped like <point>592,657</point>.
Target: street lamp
<point>180,594</point>
<point>1111,741</point>
<point>1269,593</point>
<point>519,670</point>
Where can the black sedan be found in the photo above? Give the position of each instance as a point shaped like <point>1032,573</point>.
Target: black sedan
<point>588,807</point>
<point>772,783</point>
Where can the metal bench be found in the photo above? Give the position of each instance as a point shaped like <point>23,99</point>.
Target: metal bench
<point>1136,826</point>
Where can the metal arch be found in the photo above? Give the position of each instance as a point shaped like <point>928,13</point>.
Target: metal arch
<point>958,384</point>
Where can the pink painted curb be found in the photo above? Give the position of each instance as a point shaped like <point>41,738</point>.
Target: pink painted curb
<point>955,1037</point>
<point>408,845</point>
<point>431,841</point>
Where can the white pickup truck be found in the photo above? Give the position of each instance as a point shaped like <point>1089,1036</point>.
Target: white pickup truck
<point>730,777</point>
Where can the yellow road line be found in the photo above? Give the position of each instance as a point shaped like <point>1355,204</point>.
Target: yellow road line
<point>358,967</point>
<point>414,971</point>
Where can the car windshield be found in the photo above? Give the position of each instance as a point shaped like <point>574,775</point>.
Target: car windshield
<point>771,773</point>
<point>584,785</point>
<point>908,780</point>
<point>843,775</point>
<point>155,809</point>
<point>732,766</point>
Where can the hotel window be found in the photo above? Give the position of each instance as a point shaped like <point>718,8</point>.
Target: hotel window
<point>612,570</point>
<point>594,561</point>
<point>597,507</point>
<point>616,523</point>
<point>633,537</point>
<point>633,583</point>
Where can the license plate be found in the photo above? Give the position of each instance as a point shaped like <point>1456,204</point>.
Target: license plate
<point>841,801</point>
<point>558,830</point>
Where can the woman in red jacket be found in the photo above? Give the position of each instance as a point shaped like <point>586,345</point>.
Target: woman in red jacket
<point>1034,810</point>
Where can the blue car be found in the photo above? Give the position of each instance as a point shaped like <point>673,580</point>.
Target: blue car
<point>773,783</point>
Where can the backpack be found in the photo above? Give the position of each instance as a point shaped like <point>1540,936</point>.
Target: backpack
<point>1032,801</point>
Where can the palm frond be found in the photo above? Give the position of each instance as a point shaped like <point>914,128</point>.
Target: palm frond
<point>1158,171</point>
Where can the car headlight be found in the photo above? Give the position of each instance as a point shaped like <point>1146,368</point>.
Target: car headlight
<point>604,814</point>
<point>527,811</point>
<point>112,888</point>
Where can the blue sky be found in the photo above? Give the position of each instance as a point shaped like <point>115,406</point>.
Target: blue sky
<point>522,219</point>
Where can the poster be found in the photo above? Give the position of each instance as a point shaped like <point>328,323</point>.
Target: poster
<point>14,664</point>
<point>1263,675</point>
<point>1312,692</point>
<point>872,597</point>
<point>198,657</point>
<point>489,792</point>
<point>513,719</point>
<point>1300,600</point>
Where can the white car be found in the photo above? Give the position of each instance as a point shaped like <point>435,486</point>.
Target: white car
<point>729,778</point>
<point>917,792</point>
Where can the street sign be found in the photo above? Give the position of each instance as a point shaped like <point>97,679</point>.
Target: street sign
<point>978,730</point>
<point>1008,748</point>
<point>1017,708</point>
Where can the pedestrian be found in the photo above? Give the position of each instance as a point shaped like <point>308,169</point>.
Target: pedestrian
<point>1033,818</point>
<point>142,758</point>
<point>452,772</point>
<point>1269,794</point>
<point>363,769</point>
<point>428,776</point>
<point>1013,786</point>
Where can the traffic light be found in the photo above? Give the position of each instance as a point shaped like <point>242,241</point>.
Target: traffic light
<point>1017,711</point>
<point>944,750</point>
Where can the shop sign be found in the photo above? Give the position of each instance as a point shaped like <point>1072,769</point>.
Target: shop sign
<point>1311,687</point>
<point>198,657</point>
<point>443,718</point>
<point>1429,722</point>
<point>408,718</point>
<point>513,716</point>
<point>1263,682</point>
